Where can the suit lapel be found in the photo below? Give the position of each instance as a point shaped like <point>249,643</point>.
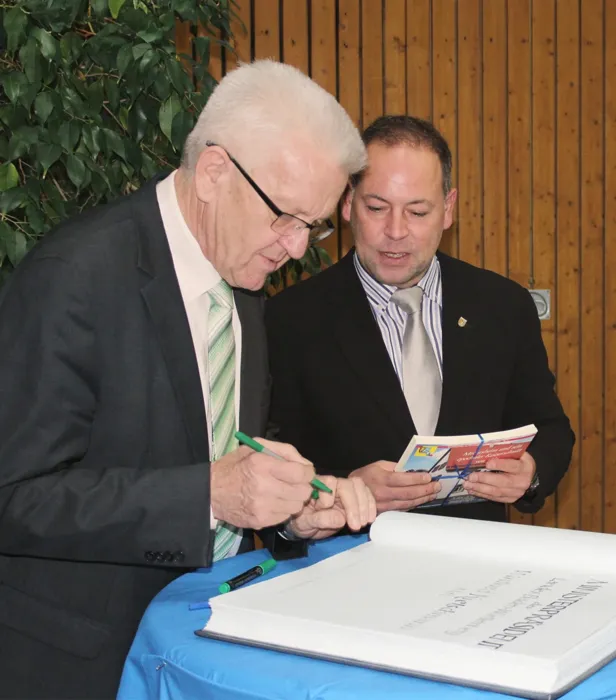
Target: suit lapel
<point>357,333</point>
<point>163,299</point>
<point>459,338</point>
<point>254,361</point>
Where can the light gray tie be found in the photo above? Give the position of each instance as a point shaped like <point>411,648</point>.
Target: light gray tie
<point>420,374</point>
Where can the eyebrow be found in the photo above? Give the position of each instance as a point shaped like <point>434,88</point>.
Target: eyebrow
<point>382,199</point>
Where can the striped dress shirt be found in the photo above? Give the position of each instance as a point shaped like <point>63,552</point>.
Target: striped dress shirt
<point>391,318</point>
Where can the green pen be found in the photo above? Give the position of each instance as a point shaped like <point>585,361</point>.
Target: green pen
<point>258,447</point>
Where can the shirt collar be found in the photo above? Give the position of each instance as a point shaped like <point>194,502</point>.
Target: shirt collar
<point>430,282</point>
<point>196,274</point>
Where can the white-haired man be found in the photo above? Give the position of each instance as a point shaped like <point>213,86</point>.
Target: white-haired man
<point>131,352</point>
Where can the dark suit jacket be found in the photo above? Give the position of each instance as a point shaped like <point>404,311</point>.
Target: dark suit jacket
<point>104,463</point>
<point>337,398</point>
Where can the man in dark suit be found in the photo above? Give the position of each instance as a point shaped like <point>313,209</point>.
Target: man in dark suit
<point>133,346</point>
<point>343,379</point>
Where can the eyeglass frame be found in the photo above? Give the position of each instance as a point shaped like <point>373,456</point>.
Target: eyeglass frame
<point>277,210</point>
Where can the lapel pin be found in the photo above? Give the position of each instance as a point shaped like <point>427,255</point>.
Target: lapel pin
<point>462,322</point>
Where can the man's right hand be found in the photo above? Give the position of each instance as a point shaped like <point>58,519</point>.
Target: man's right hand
<point>252,490</point>
<point>397,490</point>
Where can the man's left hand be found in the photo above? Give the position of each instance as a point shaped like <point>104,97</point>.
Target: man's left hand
<point>505,487</point>
<point>350,503</point>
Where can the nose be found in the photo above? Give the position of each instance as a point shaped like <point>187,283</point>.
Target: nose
<point>295,244</point>
<point>395,226</point>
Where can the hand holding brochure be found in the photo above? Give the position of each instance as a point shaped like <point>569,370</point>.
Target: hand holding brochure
<point>450,459</point>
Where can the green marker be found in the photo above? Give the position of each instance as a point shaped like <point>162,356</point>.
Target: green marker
<point>258,447</point>
<point>247,576</point>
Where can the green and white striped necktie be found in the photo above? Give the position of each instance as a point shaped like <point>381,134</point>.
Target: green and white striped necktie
<point>221,372</point>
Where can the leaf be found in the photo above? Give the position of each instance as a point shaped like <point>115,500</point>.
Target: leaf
<point>76,170</point>
<point>114,143</point>
<point>91,136</point>
<point>15,22</point>
<point>47,154</point>
<point>137,122</point>
<point>113,93</point>
<point>140,50</point>
<point>182,124</point>
<point>203,49</point>
<point>115,6</point>
<point>68,135</point>
<point>12,199</point>
<point>150,35</point>
<point>21,140</point>
<point>43,106</point>
<point>70,47</point>
<point>49,45</point>
<point>99,7</point>
<point>166,114</point>
<point>179,77</point>
<point>15,85</point>
<point>35,218</point>
<point>96,95</point>
<point>125,58</point>
<point>30,57</point>
<point>15,245</point>
<point>9,177</point>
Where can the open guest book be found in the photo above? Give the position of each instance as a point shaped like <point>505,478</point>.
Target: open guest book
<point>519,609</point>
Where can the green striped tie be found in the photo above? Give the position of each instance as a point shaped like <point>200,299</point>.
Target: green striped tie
<point>221,371</point>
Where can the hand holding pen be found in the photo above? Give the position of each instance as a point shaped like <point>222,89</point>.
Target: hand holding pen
<point>255,490</point>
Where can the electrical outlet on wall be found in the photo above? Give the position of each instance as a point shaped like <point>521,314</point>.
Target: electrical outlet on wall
<point>541,297</point>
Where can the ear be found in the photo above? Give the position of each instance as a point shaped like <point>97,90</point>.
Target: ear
<point>450,201</point>
<point>347,201</point>
<point>212,168</point>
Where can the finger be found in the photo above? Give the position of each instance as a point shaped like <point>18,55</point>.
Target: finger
<point>494,493</point>
<point>331,519</point>
<point>363,502</point>
<point>409,505</point>
<point>509,466</point>
<point>505,481</point>
<point>327,500</point>
<point>291,472</point>
<point>285,450</point>
<point>410,493</point>
<point>407,479</point>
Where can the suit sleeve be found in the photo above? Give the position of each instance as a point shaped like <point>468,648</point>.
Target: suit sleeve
<point>532,399</point>
<point>52,505</point>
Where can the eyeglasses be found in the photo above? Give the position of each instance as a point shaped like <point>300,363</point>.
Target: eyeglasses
<point>286,224</point>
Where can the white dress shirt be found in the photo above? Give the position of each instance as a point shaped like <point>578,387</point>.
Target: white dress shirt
<point>196,276</point>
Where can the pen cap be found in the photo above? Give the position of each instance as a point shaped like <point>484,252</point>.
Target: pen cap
<point>267,565</point>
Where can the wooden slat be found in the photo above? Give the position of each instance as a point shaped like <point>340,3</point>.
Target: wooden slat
<point>395,56</point>
<point>295,45</point>
<point>444,91</point>
<point>241,28</point>
<point>495,136</point>
<point>183,41</point>
<point>324,69</point>
<point>349,84</point>
<point>470,188</point>
<point>568,245</point>
<point>592,263</point>
<point>520,171</point>
<point>609,494</point>
<point>372,60</point>
<point>266,29</point>
<point>419,58</point>
<point>544,201</point>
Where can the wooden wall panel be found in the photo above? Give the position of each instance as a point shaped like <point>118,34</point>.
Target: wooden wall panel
<point>591,206</point>
<point>525,93</point>
<point>543,197</point>
<point>568,244</point>
<point>609,423</point>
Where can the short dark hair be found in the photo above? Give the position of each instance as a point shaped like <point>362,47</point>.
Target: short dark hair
<point>397,130</point>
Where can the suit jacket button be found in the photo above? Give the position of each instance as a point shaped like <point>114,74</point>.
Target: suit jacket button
<point>160,556</point>
<point>167,555</point>
<point>178,556</point>
<point>149,556</point>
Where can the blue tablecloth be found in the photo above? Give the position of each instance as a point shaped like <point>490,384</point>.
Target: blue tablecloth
<point>167,661</point>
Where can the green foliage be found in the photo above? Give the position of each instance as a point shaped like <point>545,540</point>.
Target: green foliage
<point>93,102</point>
<point>312,263</point>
